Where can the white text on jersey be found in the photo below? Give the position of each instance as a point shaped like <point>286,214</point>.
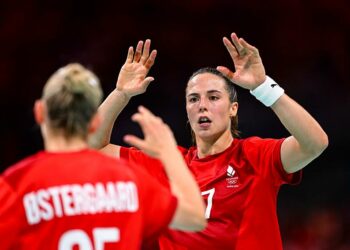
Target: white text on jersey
<point>80,199</point>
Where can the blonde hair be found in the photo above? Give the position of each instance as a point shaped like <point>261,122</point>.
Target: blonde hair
<point>72,96</point>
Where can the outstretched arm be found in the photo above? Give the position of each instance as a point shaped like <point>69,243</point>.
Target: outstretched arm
<point>159,142</point>
<point>307,140</point>
<point>132,81</point>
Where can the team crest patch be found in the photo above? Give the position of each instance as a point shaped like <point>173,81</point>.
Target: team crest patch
<point>230,171</point>
<point>231,180</point>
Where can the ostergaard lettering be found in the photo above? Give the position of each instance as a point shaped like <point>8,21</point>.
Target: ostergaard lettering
<point>77,199</point>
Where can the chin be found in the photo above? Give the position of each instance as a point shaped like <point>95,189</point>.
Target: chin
<point>209,135</point>
<point>205,134</point>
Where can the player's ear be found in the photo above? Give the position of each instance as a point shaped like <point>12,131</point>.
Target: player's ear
<point>94,123</point>
<point>233,109</point>
<point>39,111</point>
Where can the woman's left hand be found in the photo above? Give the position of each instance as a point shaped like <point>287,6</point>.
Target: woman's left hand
<point>250,71</point>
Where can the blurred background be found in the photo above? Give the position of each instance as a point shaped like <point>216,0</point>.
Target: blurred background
<point>304,46</point>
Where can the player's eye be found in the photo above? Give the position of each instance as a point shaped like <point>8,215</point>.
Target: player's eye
<point>213,98</point>
<point>192,99</point>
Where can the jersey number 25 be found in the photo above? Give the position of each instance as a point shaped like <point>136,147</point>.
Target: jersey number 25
<point>77,237</point>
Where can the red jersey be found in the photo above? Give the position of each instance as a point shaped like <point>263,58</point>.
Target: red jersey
<point>81,200</point>
<point>240,187</point>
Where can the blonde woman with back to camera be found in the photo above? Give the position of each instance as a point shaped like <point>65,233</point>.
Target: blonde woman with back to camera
<point>69,196</point>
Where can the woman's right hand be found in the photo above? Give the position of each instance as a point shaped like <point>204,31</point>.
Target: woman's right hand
<point>132,78</point>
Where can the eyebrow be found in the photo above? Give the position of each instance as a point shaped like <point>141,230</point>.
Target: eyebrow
<point>208,92</point>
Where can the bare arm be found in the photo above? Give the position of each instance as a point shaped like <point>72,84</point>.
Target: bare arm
<point>159,142</point>
<point>131,81</point>
<point>307,140</point>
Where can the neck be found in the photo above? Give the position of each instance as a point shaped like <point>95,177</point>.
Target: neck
<point>61,144</point>
<point>214,146</point>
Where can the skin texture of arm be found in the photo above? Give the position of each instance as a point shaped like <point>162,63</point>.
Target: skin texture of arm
<point>132,81</point>
<point>307,140</point>
<point>159,142</point>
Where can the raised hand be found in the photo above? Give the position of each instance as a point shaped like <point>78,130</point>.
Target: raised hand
<point>132,78</point>
<point>158,139</point>
<point>249,69</point>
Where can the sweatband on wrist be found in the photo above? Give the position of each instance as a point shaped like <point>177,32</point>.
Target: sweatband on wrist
<point>268,92</point>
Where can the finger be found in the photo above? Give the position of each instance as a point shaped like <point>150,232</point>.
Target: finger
<point>138,51</point>
<point>130,55</point>
<point>145,111</point>
<point>150,60</point>
<point>233,76</point>
<point>248,46</point>
<point>145,117</point>
<point>137,117</point>
<point>236,42</point>
<point>151,122</point>
<point>147,81</point>
<point>242,51</point>
<point>145,52</point>
<point>230,48</point>
<point>245,44</point>
<point>142,121</point>
<point>135,141</point>
<point>226,72</point>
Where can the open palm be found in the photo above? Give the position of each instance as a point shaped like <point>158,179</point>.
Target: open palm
<point>132,79</point>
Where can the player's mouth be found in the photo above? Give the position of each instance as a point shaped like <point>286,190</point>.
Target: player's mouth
<point>204,122</point>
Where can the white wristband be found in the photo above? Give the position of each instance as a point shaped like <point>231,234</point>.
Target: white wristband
<point>268,92</point>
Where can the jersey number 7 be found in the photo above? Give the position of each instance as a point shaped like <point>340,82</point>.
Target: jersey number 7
<point>210,194</point>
